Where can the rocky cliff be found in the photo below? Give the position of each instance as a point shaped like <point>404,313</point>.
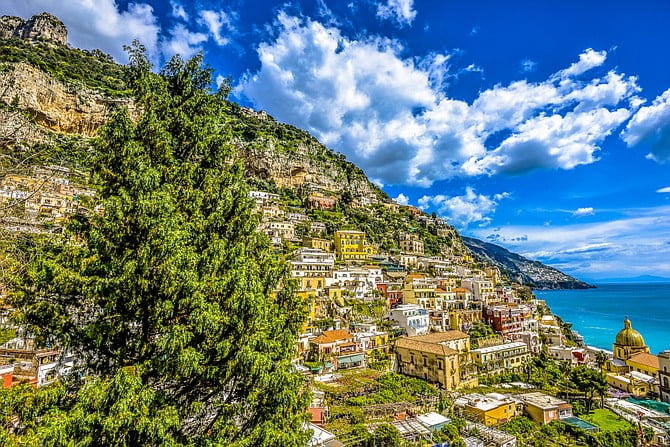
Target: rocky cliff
<point>52,104</point>
<point>40,28</point>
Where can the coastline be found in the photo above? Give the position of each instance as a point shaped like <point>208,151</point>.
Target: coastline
<point>597,314</point>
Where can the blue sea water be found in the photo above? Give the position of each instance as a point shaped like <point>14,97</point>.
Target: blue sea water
<point>598,313</point>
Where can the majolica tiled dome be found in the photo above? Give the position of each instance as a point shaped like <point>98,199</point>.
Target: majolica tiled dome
<point>629,336</point>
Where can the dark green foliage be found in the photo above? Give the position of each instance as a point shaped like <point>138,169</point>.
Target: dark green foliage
<point>6,334</point>
<point>386,435</point>
<point>392,387</point>
<point>590,382</point>
<point>184,319</point>
<point>480,331</point>
<point>93,69</point>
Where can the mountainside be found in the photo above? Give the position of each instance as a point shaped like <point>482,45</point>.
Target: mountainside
<point>521,269</point>
<point>54,98</point>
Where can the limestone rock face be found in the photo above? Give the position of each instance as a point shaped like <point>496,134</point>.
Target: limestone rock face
<point>300,170</point>
<point>9,25</point>
<point>54,105</point>
<point>40,28</point>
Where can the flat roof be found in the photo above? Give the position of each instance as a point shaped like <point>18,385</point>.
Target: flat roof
<point>431,419</point>
<point>516,344</point>
<point>542,400</point>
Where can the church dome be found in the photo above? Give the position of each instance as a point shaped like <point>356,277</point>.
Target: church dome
<point>629,336</point>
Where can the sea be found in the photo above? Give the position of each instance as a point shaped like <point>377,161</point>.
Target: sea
<point>598,314</point>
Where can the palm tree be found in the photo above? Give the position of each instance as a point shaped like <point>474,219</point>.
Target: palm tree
<point>601,359</point>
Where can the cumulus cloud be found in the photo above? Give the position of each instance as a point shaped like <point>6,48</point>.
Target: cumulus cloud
<point>178,11</point>
<point>216,23</point>
<point>391,115</point>
<point>650,128</point>
<point>551,142</point>
<point>588,60</point>
<point>400,11</point>
<point>402,199</point>
<point>461,211</point>
<point>100,24</point>
<point>583,212</point>
<point>182,41</point>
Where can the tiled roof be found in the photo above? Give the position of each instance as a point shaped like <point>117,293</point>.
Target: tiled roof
<point>422,346</point>
<point>439,337</point>
<point>332,336</point>
<point>432,342</point>
<point>645,359</point>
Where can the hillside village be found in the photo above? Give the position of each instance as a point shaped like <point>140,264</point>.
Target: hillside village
<point>408,336</point>
<point>446,320</point>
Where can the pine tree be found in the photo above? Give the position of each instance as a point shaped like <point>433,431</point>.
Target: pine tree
<point>183,318</point>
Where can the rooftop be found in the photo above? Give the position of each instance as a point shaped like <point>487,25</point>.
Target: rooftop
<point>432,419</point>
<point>542,400</point>
<point>332,336</point>
<point>646,359</point>
<point>423,346</point>
<point>440,337</point>
<point>503,347</point>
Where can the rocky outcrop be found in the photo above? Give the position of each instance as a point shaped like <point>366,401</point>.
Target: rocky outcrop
<point>54,105</point>
<point>40,28</point>
<point>301,170</point>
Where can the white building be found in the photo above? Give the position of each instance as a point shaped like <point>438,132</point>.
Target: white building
<point>310,262</point>
<point>413,319</point>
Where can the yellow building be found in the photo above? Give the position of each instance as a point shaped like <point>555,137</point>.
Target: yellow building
<point>440,357</point>
<point>317,243</point>
<point>503,358</point>
<point>421,293</point>
<point>628,342</point>
<point>351,245</point>
<point>492,409</point>
<point>543,408</point>
<point>309,298</point>
<point>632,369</point>
<point>637,384</point>
<point>644,363</point>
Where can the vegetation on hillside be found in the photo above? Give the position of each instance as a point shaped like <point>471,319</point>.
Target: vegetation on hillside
<point>93,69</point>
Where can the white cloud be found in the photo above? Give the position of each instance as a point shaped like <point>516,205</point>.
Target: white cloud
<point>400,11</point>
<point>553,141</point>
<point>650,128</point>
<point>216,23</point>
<point>461,211</point>
<point>528,65</point>
<point>583,212</point>
<point>402,199</point>
<point>637,243</point>
<point>392,117</point>
<point>98,24</point>
<point>588,60</point>
<point>351,94</point>
<point>664,190</point>
<point>182,41</point>
<point>178,11</point>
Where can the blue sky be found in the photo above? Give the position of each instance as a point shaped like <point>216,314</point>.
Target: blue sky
<point>543,127</point>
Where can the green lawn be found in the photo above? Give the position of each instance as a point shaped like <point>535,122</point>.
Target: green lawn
<point>606,420</point>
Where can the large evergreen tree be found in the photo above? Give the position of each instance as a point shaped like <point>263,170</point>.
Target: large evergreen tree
<point>183,318</point>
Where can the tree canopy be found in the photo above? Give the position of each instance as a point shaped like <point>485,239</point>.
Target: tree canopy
<point>183,319</point>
